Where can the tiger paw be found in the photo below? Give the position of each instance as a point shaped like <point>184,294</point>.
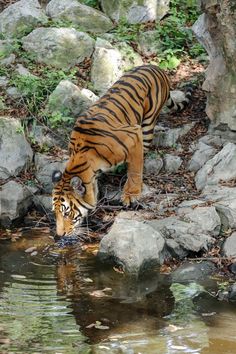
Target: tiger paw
<point>130,200</point>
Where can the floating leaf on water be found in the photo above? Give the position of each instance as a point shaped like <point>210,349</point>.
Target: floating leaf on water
<point>91,325</point>
<point>88,280</point>
<point>208,314</point>
<point>100,293</point>
<point>173,328</point>
<point>18,276</point>
<point>34,253</point>
<point>101,327</point>
<point>30,249</point>
<point>118,270</point>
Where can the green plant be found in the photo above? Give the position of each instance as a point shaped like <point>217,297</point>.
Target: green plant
<point>36,89</point>
<point>127,32</point>
<point>57,118</point>
<point>2,104</point>
<point>91,3</point>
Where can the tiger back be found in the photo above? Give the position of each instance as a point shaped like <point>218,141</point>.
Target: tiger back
<point>117,128</point>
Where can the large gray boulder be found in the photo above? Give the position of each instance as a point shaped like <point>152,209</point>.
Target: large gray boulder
<point>216,31</point>
<point>135,11</point>
<point>132,244</point>
<point>221,167</point>
<point>109,63</point>
<point>20,18</point>
<point>45,165</point>
<point>87,18</point>
<point>59,47</point>
<point>15,151</point>
<point>69,99</point>
<point>15,199</point>
<point>206,216</point>
<point>188,235</point>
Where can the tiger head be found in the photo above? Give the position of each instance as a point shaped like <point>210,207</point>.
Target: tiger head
<point>68,205</point>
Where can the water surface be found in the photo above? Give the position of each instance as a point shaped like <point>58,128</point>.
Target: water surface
<point>62,300</point>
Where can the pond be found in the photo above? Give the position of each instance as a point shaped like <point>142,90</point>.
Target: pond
<point>62,300</point>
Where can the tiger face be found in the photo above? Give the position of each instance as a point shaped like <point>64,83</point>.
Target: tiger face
<point>68,205</point>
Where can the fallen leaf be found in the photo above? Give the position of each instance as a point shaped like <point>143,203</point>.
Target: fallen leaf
<point>100,293</point>
<point>30,249</point>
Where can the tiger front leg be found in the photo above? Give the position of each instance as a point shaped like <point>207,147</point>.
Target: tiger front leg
<point>133,186</point>
<point>91,189</point>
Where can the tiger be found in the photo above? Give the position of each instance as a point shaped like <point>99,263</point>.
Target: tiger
<point>117,128</point>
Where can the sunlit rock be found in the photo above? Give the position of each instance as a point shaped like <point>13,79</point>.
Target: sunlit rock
<point>59,47</point>
<point>69,99</point>
<point>21,18</point>
<point>87,18</point>
<point>132,244</point>
<point>135,12</point>
<point>110,62</point>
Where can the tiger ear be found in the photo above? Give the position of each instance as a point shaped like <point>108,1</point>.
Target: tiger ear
<point>56,176</point>
<point>76,184</point>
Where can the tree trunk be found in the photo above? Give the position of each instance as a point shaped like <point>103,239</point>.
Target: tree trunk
<point>216,31</point>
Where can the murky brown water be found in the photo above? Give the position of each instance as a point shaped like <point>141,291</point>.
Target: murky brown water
<point>62,300</point>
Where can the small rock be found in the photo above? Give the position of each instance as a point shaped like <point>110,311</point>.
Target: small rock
<point>188,272</point>
<point>68,99</point>
<point>15,200</point>
<point>149,44</point>
<point>212,140</point>
<point>172,163</point>
<point>166,137</point>
<point>21,70</point>
<point>224,199</point>
<point>202,154</point>
<point>13,160</point>
<point>221,167</point>
<point>153,166</point>
<point>232,292</point>
<point>45,165</point>
<point>3,81</point>
<point>8,61</point>
<point>13,92</point>
<point>229,247</point>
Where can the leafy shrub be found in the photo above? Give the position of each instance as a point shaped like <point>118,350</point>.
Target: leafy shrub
<point>36,89</point>
<point>173,33</point>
